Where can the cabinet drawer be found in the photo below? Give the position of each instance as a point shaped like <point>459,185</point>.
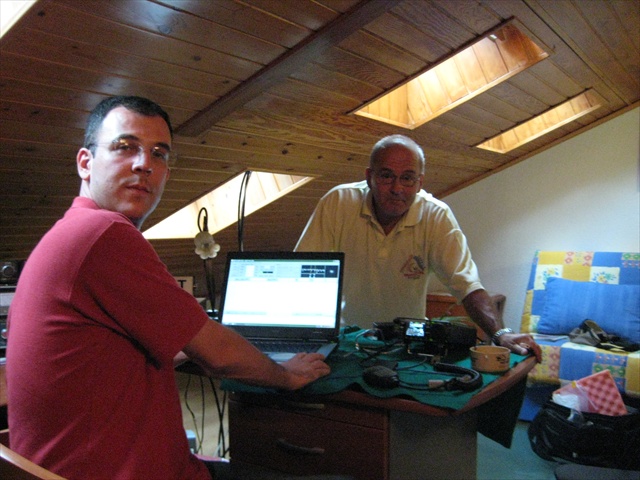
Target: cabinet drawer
<point>341,412</point>
<point>305,444</point>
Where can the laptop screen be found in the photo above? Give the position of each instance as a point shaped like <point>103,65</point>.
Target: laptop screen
<point>282,290</point>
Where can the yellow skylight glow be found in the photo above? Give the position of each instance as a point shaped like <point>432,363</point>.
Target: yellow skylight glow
<point>222,204</point>
<point>494,58</point>
<point>536,127</point>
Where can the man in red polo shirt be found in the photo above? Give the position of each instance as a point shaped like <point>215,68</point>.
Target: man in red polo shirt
<point>97,322</point>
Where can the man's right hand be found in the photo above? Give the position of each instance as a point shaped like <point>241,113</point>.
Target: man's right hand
<point>305,368</point>
<point>223,353</point>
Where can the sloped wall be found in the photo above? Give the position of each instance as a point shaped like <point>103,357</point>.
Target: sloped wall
<point>583,194</point>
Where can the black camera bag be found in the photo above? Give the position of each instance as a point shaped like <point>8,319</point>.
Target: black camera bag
<point>587,438</point>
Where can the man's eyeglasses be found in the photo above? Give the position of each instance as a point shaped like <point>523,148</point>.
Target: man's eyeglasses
<point>387,178</point>
<point>127,147</point>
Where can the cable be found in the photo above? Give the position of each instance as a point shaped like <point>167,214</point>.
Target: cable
<point>465,379</point>
<point>373,351</point>
<point>202,405</point>
<point>199,432</point>
<point>411,367</point>
<point>241,204</point>
<point>222,449</point>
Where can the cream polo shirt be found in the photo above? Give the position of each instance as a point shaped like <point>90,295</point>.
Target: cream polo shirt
<point>386,276</point>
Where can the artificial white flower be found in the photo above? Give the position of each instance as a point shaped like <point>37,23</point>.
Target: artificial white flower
<point>206,246</point>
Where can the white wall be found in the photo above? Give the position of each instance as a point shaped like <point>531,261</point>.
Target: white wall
<point>583,194</point>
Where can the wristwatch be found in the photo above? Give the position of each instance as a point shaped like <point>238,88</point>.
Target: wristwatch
<point>499,333</point>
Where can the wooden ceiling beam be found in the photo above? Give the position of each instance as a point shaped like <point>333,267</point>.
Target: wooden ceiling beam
<point>329,36</point>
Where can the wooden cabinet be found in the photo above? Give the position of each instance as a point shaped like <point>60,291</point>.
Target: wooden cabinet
<point>308,438</point>
<point>360,440</point>
<point>367,437</point>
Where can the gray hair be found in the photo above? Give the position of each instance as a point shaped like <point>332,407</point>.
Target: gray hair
<point>393,140</point>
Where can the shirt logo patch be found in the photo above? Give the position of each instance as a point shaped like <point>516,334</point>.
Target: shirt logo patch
<point>413,268</point>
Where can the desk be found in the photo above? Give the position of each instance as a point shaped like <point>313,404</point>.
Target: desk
<point>354,433</point>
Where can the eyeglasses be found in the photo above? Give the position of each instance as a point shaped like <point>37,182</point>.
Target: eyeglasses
<point>127,148</point>
<point>387,178</point>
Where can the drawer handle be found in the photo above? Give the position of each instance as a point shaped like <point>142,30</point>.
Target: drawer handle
<point>297,449</point>
<point>303,405</point>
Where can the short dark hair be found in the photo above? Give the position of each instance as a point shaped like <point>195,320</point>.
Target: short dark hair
<point>140,105</point>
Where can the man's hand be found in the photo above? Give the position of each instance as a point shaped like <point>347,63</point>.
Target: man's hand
<point>521,343</point>
<point>223,353</point>
<point>304,368</point>
<point>481,309</point>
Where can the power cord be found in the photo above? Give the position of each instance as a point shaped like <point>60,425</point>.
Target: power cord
<point>222,449</point>
<point>198,431</point>
<point>374,351</point>
<point>221,404</point>
<point>465,379</point>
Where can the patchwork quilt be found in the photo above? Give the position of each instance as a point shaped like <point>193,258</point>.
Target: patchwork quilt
<point>601,286</point>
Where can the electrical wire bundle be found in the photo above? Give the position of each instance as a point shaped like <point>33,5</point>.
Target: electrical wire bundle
<point>222,449</point>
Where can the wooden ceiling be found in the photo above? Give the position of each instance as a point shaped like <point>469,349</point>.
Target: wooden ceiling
<point>268,84</point>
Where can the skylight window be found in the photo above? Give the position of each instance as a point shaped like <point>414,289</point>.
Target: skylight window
<point>222,204</point>
<point>536,127</point>
<point>11,11</point>
<point>492,59</point>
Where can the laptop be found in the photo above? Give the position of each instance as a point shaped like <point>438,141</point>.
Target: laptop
<point>284,302</point>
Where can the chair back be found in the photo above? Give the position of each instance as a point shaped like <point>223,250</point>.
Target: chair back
<point>15,467</point>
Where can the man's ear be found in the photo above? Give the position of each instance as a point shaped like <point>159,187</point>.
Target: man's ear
<point>369,174</point>
<point>83,162</point>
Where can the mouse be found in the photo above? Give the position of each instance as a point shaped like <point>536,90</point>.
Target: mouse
<point>380,376</point>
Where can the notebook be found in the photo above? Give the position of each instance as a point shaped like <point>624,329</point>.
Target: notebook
<point>284,302</point>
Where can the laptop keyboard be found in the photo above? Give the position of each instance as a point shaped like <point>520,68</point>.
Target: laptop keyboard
<point>269,346</point>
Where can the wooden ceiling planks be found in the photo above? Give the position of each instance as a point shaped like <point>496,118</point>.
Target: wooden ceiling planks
<point>287,64</point>
<point>247,19</point>
<point>82,26</point>
<point>607,50</point>
<point>117,62</point>
<point>160,20</point>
